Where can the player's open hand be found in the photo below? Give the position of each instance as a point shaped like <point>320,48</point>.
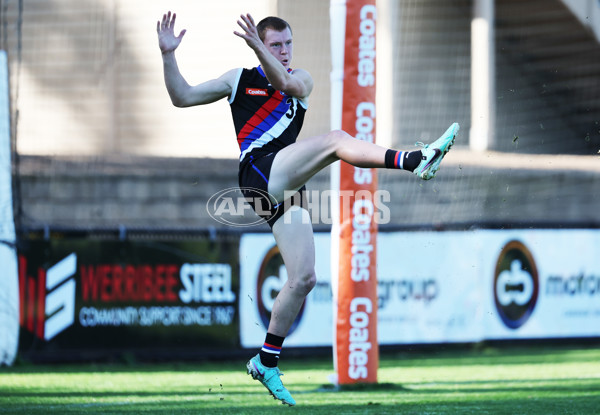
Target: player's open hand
<point>250,34</point>
<point>167,41</point>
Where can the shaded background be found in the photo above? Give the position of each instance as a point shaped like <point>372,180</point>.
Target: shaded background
<point>98,144</point>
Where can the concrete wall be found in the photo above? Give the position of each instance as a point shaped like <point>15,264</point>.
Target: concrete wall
<point>172,193</point>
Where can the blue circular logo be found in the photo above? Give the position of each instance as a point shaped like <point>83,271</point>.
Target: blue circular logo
<point>516,284</point>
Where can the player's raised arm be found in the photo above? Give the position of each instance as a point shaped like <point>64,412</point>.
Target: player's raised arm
<point>274,51</point>
<point>183,94</point>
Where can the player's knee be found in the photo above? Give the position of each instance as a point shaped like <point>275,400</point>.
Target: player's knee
<point>335,136</point>
<point>335,139</point>
<point>307,282</point>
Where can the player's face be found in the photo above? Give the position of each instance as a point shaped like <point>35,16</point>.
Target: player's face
<point>280,45</point>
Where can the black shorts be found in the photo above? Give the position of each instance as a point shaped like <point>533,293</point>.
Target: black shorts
<point>253,179</point>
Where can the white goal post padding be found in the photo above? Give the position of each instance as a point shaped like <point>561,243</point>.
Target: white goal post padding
<point>9,278</point>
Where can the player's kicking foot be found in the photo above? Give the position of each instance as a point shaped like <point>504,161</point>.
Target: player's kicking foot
<point>434,153</point>
<point>269,376</point>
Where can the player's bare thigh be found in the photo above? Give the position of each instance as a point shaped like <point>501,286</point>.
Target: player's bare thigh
<point>298,162</point>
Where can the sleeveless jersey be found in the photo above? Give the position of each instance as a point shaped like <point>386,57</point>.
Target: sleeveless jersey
<point>266,120</point>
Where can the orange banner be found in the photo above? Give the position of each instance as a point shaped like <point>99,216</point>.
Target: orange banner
<point>357,348</point>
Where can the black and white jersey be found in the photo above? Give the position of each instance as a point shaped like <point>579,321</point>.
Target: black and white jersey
<point>266,120</point>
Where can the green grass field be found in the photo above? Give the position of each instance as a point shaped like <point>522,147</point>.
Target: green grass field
<point>533,380</point>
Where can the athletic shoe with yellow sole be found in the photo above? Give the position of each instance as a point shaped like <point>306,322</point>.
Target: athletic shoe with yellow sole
<point>269,377</point>
<point>434,153</point>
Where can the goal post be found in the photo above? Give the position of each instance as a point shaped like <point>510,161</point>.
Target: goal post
<point>354,230</point>
<point>9,284</point>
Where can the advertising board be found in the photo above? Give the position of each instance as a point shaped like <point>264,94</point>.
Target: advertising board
<point>81,295</point>
<point>448,287</point>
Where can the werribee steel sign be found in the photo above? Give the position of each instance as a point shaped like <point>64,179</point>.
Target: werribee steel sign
<point>95,295</point>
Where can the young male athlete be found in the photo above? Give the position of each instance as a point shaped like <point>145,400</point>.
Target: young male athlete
<point>268,103</point>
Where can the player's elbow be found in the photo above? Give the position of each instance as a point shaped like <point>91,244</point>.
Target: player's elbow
<point>294,91</point>
<point>295,88</point>
<point>180,101</point>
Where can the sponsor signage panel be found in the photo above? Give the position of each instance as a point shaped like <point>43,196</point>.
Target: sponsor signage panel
<point>437,287</point>
<point>262,275</point>
<point>433,287</point>
<point>543,283</point>
<point>429,288</point>
<point>83,294</point>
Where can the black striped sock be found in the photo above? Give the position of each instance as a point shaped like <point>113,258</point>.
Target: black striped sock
<point>269,353</point>
<point>406,160</point>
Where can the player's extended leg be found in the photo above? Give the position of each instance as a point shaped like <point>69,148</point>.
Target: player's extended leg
<point>295,164</point>
<point>294,236</point>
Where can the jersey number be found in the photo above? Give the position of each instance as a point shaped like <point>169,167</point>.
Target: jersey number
<point>292,110</point>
